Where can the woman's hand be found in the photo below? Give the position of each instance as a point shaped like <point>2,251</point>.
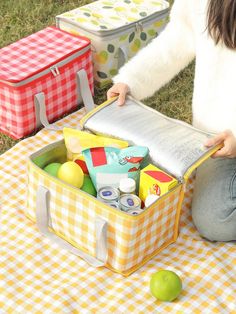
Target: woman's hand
<point>229,144</point>
<point>120,90</point>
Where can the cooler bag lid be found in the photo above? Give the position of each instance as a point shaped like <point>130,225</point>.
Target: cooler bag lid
<point>37,52</point>
<point>174,146</point>
<point>103,16</point>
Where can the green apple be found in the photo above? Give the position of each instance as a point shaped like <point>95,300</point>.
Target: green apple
<point>165,285</point>
<point>52,168</point>
<point>88,186</point>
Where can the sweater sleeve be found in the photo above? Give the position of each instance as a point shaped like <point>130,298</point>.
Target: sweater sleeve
<point>164,57</point>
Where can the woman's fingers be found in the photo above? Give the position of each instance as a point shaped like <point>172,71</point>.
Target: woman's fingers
<point>120,90</point>
<point>121,98</point>
<point>228,141</point>
<point>219,138</point>
<point>111,94</point>
<point>220,153</point>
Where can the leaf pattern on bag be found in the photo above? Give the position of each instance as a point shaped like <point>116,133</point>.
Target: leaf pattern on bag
<point>102,74</point>
<point>111,48</point>
<point>113,72</point>
<point>143,36</point>
<point>108,15</point>
<point>143,14</point>
<point>113,14</point>
<point>158,23</point>
<point>152,32</point>
<point>123,37</point>
<point>101,57</point>
<point>131,37</point>
<point>136,45</point>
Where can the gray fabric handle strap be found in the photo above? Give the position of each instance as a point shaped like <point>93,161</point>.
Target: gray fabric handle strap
<point>40,112</point>
<point>122,57</point>
<point>84,96</point>
<point>43,222</point>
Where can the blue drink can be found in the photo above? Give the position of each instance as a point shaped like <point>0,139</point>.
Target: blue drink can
<point>114,204</point>
<point>108,194</point>
<point>129,201</point>
<point>135,212</point>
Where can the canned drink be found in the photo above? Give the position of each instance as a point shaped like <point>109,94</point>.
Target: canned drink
<point>135,212</point>
<point>114,204</point>
<point>129,201</point>
<point>108,194</point>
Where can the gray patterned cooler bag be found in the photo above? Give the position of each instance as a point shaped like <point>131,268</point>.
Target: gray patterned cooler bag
<point>117,30</point>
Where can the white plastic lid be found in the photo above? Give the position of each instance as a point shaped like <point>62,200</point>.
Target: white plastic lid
<point>127,185</point>
<point>150,199</point>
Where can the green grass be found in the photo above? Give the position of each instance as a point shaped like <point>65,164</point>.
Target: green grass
<point>19,18</point>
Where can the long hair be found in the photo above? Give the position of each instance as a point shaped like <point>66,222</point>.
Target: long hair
<point>221,22</point>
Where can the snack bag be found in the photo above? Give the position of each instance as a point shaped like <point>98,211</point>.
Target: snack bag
<point>76,141</point>
<point>108,165</point>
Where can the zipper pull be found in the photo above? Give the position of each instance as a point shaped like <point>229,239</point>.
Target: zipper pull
<point>138,27</point>
<point>54,71</point>
<point>57,71</point>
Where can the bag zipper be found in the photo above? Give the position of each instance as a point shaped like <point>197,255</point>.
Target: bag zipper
<point>53,69</point>
<point>138,25</point>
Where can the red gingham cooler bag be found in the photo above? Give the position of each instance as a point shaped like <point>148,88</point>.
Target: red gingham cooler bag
<point>41,69</point>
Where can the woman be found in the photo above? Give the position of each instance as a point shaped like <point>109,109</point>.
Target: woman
<point>205,30</point>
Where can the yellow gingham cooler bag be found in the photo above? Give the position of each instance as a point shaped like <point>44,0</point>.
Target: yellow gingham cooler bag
<point>100,234</point>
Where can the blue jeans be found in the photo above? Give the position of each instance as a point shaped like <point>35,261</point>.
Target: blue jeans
<point>214,199</point>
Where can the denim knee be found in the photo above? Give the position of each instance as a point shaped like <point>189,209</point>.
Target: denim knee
<point>212,226</point>
<point>214,199</point>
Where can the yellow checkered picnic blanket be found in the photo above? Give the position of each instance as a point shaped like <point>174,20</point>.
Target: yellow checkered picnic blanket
<point>39,277</point>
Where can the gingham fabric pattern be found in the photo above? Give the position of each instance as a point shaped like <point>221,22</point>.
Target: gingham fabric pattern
<point>131,240</point>
<point>17,113</point>
<point>39,51</point>
<point>39,277</point>
<point>186,224</point>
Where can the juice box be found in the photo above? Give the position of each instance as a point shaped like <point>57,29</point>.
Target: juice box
<point>153,180</point>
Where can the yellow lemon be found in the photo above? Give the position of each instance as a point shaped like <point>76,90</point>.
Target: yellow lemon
<point>71,173</point>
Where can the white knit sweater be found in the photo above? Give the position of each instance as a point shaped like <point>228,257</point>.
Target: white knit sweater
<point>186,37</point>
